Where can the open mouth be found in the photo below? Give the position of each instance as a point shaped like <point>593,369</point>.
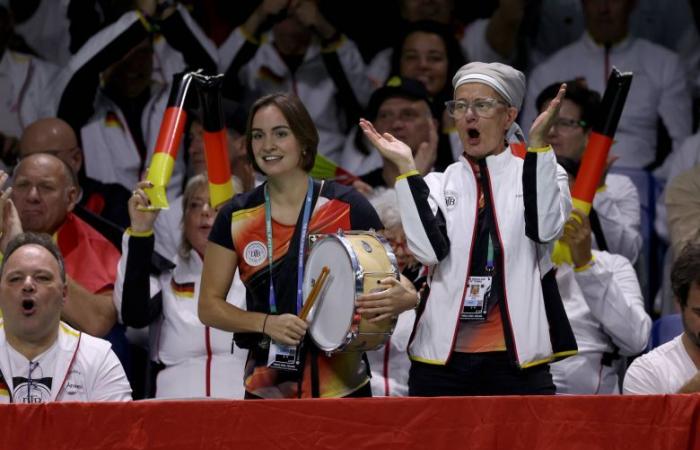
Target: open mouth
<point>473,133</point>
<point>271,158</point>
<point>28,306</point>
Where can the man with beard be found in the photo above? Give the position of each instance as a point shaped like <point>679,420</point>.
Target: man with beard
<point>674,366</point>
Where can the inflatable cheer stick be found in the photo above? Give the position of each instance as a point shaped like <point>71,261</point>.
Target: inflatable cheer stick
<point>595,156</point>
<point>215,138</point>
<point>325,169</point>
<point>168,143</point>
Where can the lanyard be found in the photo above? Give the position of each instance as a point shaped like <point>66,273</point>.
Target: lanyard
<point>489,256</point>
<point>302,242</point>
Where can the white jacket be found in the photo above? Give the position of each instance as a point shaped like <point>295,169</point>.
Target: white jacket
<point>199,361</point>
<point>30,88</point>
<point>110,152</point>
<point>453,197</point>
<point>659,88</point>
<point>606,310</point>
<point>619,211</point>
<point>266,73</point>
<point>86,370</point>
<point>390,364</point>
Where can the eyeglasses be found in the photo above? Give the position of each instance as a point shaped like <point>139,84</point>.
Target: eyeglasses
<point>482,107</point>
<point>568,124</point>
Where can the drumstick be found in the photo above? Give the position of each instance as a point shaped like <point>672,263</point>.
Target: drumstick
<point>311,299</point>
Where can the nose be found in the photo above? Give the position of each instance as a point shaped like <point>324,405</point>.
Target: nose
<point>33,194</point>
<point>28,285</point>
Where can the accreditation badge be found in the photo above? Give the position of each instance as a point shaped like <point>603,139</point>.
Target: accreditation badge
<point>284,357</point>
<point>475,305</point>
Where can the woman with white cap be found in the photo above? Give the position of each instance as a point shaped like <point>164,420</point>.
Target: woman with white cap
<point>493,318</point>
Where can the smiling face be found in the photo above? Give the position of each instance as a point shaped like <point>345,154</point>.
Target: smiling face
<point>424,58</point>
<point>32,294</point>
<point>482,136</point>
<point>275,148</point>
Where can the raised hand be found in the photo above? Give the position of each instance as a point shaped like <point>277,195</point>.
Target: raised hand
<point>542,124</point>
<point>391,148</point>
<point>142,218</point>
<point>426,155</point>
<point>399,296</point>
<point>10,224</point>
<point>286,329</point>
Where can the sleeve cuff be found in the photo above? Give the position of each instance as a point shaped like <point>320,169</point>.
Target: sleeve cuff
<point>410,173</point>
<point>539,149</point>
<point>586,266</point>
<point>141,234</point>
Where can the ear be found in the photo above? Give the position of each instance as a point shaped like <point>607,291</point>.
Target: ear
<point>77,158</point>
<point>511,115</point>
<point>72,197</point>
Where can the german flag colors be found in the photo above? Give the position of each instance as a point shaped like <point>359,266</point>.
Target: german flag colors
<point>168,143</point>
<point>215,138</point>
<point>596,154</point>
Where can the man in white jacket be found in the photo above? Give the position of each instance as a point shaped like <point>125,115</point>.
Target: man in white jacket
<point>42,359</point>
<point>605,306</point>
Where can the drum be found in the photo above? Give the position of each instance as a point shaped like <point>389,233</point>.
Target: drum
<point>357,262</point>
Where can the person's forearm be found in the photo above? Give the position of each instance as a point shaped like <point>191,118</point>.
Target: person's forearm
<point>217,313</point>
<point>92,313</point>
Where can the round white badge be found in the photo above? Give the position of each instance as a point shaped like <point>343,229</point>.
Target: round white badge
<point>255,253</point>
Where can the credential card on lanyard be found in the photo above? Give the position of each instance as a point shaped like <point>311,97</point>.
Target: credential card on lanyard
<point>280,356</point>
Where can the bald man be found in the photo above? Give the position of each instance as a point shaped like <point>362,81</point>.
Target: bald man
<point>44,195</point>
<point>54,136</point>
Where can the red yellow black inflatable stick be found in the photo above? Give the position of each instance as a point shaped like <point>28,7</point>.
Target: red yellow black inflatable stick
<point>168,143</point>
<point>596,154</point>
<point>215,138</point>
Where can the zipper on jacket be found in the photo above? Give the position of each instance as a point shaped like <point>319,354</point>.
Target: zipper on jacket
<point>469,262</point>
<point>511,348</point>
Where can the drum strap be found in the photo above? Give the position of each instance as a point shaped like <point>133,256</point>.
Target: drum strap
<point>315,383</point>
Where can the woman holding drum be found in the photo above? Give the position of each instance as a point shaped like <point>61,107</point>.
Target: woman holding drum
<point>264,233</point>
<point>493,318</point>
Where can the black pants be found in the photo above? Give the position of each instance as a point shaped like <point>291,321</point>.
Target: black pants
<point>478,374</point>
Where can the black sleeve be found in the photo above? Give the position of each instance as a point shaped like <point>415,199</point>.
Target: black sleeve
<point>362,213</point>
<point>139,309</point>
<point>232,87</point>
<point>346,96</point>
<point>434,225</point>
<point>76,104</point>
<point>221,230</point>
<point>181,38</point>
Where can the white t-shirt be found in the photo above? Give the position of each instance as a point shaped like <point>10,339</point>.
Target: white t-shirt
<point>664,370</point>
<point>32,380</point>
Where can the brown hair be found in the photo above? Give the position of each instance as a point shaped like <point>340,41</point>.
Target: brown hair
<point>300,123</point>
<point>685,272</point>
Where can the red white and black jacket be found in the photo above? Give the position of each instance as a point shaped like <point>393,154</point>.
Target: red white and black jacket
<point>531,202</point>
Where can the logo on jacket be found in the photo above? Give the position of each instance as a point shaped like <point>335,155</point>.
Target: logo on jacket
<point>255,253</point>
<point>450,199</point>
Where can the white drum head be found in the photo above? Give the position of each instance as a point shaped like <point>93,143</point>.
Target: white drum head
<point>332,313</point>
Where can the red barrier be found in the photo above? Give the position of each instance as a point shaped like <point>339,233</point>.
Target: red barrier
<point>575,422</point>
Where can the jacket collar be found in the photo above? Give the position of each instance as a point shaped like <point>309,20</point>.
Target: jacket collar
<point>68,343</point>
<point>617,47</point>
